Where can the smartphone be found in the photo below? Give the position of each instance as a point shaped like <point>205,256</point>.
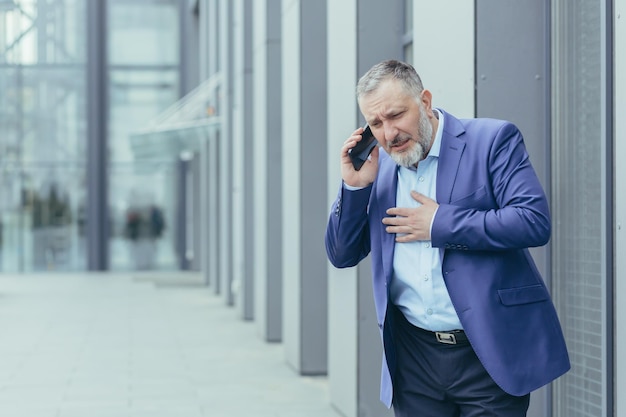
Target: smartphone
<point>360,153</point>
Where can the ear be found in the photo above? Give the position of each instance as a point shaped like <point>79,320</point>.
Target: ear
<point>427,101</point>
<point>426,98</point>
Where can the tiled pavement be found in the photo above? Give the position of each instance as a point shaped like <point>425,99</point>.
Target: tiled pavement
<point>122,345</point>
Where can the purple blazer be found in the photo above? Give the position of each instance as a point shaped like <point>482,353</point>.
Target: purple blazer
<point>492,208</point>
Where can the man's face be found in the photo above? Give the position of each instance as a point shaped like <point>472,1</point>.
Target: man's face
<point>400,123</point>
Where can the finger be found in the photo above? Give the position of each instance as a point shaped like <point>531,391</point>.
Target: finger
<point>395,221</point>
<point>352,140</point>
<point>397,229</point>
<point>349,144</point>
<point>419,197</point>
<point>399,211</point>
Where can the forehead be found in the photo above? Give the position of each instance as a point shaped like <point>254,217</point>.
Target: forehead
<point>389,95</point>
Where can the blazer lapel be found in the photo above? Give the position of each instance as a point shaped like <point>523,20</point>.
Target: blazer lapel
<point>449,157</point>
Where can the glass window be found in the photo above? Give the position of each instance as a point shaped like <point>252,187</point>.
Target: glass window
<point>143,206</point>
<point>43,145</point>
<point>144,66</point>
<point>578,196</point>
<point>144,33</point>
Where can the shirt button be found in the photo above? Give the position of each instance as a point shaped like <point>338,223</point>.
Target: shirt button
<point>421,179</point>
<point>429,311</point>
<point>427,244</point>
<point>425,277</point>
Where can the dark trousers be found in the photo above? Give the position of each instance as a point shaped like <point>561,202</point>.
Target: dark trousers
<point>434,379</point>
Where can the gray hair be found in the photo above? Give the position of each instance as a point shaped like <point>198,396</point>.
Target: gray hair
<point>390,69</point>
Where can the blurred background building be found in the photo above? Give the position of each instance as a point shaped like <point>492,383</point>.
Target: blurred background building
<point>203,135</point>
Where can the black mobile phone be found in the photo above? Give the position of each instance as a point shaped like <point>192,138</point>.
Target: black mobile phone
<point>360,153</point>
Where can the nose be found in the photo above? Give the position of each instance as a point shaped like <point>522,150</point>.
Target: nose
<point>390,131</point>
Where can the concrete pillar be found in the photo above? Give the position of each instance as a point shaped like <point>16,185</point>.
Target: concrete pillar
<point>242,160</point>
<point>209,154</point>
<point>304,185</point>
<point>267,178</point>
<point>355,347</point>
<point>225,150</point>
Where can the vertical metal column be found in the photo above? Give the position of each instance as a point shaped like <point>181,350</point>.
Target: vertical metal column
<point>247,308</point>
<point>209,66</point>
<point>189,45</point>
<point>194,212</point>
<point>97,226</point>
<point>619,89</point>
<point>182,200</point>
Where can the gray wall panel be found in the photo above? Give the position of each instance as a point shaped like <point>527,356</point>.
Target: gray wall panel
<point>313,183</point>
<point>274,173</point>
<point>513,83</point>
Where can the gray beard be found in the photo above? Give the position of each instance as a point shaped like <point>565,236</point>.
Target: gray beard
<point>416,153</point>
<point>410,157</point>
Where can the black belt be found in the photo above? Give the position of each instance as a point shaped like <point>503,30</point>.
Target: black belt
<point>451,337</point>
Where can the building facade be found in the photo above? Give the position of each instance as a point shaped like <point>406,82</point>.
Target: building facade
<point>551,67</point>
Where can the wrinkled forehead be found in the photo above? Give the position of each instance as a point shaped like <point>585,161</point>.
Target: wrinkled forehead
<point>389,94</point>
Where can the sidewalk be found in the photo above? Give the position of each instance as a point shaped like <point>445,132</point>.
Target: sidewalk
<point>124,345</point>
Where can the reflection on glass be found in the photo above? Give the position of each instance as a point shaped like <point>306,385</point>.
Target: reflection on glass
<point>143,210</point>
<point>143,74</point>
<point>44,135</point>
<point>42,120</point>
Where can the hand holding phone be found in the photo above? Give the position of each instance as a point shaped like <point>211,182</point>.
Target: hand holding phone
<point>360,153</point>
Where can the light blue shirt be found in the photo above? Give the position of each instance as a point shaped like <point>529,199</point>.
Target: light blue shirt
<point>417,286</point>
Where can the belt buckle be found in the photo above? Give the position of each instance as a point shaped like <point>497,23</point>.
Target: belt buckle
<point>447,338</point>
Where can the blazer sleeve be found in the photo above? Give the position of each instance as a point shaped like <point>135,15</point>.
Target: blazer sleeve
<point>347,233</point>
<point>512,212</point>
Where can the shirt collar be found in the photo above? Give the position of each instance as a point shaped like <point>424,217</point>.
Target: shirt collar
<point>434,150</point>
